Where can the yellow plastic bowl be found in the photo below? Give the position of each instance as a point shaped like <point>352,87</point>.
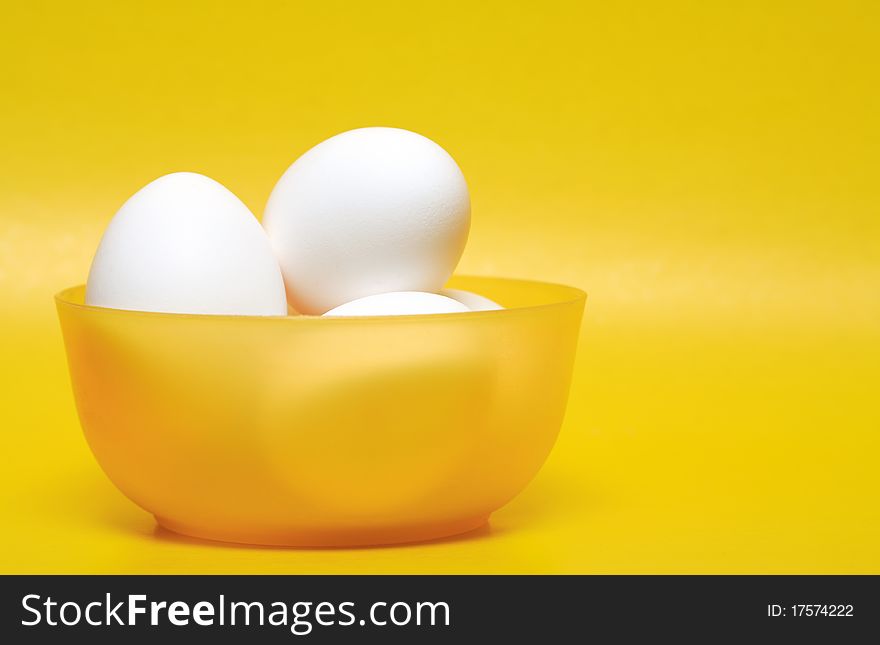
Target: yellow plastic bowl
<point>309,431</point>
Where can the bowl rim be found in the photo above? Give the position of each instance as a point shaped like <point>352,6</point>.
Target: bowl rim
<point>64,298</point>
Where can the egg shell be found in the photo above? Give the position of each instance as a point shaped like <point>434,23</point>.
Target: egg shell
<point>472,301</point>
<point>369,211</point>
<point>399,303</point>
<point>186,244</point>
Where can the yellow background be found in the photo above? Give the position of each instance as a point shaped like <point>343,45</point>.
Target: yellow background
<point>707,171</point>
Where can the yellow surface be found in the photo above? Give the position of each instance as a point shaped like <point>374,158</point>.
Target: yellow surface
<point>706,171</point>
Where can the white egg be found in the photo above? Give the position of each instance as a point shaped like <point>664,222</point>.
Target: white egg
<point>186,244</point>
<point>368,211</point>
<point>399,303</point>
<point>472,301</point>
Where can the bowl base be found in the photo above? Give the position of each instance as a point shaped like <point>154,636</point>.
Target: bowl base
<point>316,538</point>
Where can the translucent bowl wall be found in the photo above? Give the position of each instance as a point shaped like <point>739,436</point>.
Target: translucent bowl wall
<point>314,431</point>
